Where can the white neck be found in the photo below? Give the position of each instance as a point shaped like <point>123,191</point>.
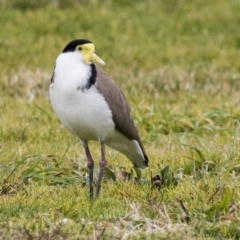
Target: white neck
<point>71,68</point>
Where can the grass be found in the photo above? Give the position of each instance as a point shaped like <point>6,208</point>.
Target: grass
<point>178,64</point>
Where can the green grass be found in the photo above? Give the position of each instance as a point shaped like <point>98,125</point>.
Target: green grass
<point>178,64</point>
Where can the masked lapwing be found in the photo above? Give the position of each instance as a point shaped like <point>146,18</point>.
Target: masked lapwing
<point>92,107</point>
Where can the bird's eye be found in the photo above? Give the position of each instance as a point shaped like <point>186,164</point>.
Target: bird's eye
<point>80,48</point>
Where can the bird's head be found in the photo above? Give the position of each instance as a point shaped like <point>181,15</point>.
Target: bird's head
<point>86,48</point>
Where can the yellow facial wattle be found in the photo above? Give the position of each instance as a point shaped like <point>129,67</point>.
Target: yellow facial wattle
<point>88,52</point>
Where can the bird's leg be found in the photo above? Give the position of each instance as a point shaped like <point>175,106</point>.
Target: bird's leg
<point>90,164</point>
<point>102,165</point>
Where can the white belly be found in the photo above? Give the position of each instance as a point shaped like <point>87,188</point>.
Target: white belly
<point>84,113</point>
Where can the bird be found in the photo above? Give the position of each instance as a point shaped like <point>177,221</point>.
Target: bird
<point>93,108</point>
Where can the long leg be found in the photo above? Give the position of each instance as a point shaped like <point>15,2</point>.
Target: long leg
<point>102,165</point>
<point>90,164</point>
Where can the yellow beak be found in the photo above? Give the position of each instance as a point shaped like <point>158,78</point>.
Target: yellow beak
<point>95,59</point>
<point>89,55</point>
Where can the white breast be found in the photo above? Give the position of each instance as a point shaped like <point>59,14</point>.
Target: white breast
<point>83,112</point>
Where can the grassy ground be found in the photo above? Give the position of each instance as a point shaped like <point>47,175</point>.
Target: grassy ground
<point>178,64</point>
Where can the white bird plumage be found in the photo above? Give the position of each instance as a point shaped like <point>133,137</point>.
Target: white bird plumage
<point>85,112</point>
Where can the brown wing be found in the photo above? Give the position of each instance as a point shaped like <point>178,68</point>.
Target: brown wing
<point>119,106</point>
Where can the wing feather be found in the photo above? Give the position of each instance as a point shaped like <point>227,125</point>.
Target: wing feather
<point>119,106</point>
